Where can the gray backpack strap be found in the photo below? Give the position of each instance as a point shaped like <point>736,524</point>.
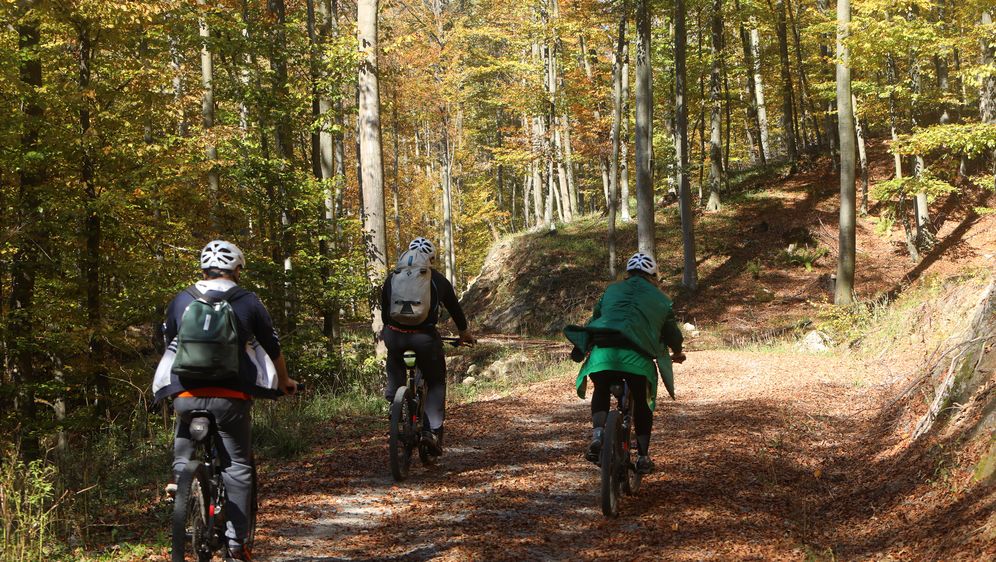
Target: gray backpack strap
<point>195,292</point>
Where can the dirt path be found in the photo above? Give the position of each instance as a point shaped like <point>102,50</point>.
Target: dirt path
<point>750,459</point>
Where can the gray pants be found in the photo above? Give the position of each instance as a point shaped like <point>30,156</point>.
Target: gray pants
<point>429,358</point>
<point>234,451</point>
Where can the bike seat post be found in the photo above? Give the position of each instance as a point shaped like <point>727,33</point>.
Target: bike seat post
<point>201,426</point>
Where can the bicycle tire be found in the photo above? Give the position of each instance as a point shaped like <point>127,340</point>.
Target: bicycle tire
<point>400,436</point>
<point>611,460</point>
<point>630,477</point>
<point>190,510</point>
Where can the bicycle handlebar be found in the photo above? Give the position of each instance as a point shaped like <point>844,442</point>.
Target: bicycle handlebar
<point>456,342</point>
<point>300,389</point>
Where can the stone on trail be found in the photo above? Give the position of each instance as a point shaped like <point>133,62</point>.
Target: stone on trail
<point>473,370</point>
<point>468,381</point>
<point>815,341</point>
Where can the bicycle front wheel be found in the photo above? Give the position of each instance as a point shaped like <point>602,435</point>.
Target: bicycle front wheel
<point>611,462</point>
<point>191,533</point>
<point>401,435</point>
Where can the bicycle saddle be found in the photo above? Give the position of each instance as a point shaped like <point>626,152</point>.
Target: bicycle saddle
<point>201,424</point>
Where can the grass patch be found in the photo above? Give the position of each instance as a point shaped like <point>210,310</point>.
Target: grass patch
<point>489,389</point>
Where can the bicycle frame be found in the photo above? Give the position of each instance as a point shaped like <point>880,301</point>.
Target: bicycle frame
<point>204,432</point>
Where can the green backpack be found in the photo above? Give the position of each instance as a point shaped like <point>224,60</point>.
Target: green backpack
<point>208,338</point>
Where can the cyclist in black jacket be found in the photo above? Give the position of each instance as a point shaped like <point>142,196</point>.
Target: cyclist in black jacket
<point>425,341</point>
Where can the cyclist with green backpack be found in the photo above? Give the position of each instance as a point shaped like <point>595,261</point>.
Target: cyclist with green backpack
<point>222,351</point>
<point>410,301</point>
<point>630,330</point>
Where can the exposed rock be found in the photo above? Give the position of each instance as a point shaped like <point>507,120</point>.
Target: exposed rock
<point>815,341</point>
<point>468,381</point>
<point>473,370</point>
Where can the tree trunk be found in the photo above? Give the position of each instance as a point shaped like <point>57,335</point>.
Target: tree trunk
<point>24,266</point>
<point>715,93</point>
<point>689,276</point>
<point>284,134</point>
<point>753,122</point>
<point>803,87</point>
<point>207,112</point>
<point>859,134</point>
<point>823,6</point>
<point>922,213</point>
<point>446,169</point>
<point>624,138</point>
<point>617,105</point>
<point>987,92</point>
<point>788,105</point>
<point>92,232</point>
<point>844,294</point>
<point>371,155</point>
<point>762,112</point>
<point>644,133</point>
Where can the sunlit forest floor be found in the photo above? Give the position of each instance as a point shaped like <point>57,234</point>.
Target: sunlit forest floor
<point>764,456</point>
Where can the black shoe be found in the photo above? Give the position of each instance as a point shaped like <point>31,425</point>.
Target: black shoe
<point>238,554</point>
<point>433,443</point>
<point>594,452</point>
<point>644,465</point>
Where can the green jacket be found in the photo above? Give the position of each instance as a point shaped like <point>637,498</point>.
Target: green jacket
<point>639,313</point>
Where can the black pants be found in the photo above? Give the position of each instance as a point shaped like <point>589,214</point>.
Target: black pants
<point>643,416</point>
<point>429,358</point>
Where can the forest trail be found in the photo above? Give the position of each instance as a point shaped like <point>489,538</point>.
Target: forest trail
<point>751,459</point>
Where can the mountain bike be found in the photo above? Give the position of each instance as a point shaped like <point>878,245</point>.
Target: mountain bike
<point>617,459</point>
<point>408,419</point>
<point>199,518</point>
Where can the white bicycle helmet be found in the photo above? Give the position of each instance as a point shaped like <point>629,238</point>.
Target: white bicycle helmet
<point>423,245</point>
<point>222,255</point>
<point>642,262</point>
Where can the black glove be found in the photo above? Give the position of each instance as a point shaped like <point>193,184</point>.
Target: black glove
<point>577,355</point>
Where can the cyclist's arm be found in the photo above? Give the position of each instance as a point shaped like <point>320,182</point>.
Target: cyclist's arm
<point>671,334</point>
<point>447,296</point>
<point>267,337</point>
<point>385,299</point>
<point>170,325</point>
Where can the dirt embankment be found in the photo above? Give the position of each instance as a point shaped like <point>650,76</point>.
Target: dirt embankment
<point>750,285</point>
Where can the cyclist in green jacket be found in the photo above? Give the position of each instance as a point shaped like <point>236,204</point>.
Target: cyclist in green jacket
<point>633,325</point>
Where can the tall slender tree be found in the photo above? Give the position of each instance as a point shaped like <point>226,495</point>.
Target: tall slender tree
<point>715,98</point>
<point>644,133</point>
<point>689,276</point>
<point>788,105</point>
<point>844,292</point>
<point>370,151</point>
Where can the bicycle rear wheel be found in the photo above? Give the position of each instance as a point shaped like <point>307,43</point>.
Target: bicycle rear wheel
<point>401,435</point>
<point>630,477</point>
<point>611,462</point>
<point>191,533</point>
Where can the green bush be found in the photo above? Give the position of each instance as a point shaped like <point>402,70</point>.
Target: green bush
<point>27,501</point>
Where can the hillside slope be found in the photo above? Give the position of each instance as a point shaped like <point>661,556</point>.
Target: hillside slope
<point>749,286</point>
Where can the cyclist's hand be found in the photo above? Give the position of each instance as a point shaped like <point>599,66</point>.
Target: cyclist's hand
<point>678,357</point>
<point>289,386</point>
<point>466,337</point>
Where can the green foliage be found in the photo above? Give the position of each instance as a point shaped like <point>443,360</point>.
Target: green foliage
<point>805,256</point>
<point>957,139</point>
<point>27,499</point>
